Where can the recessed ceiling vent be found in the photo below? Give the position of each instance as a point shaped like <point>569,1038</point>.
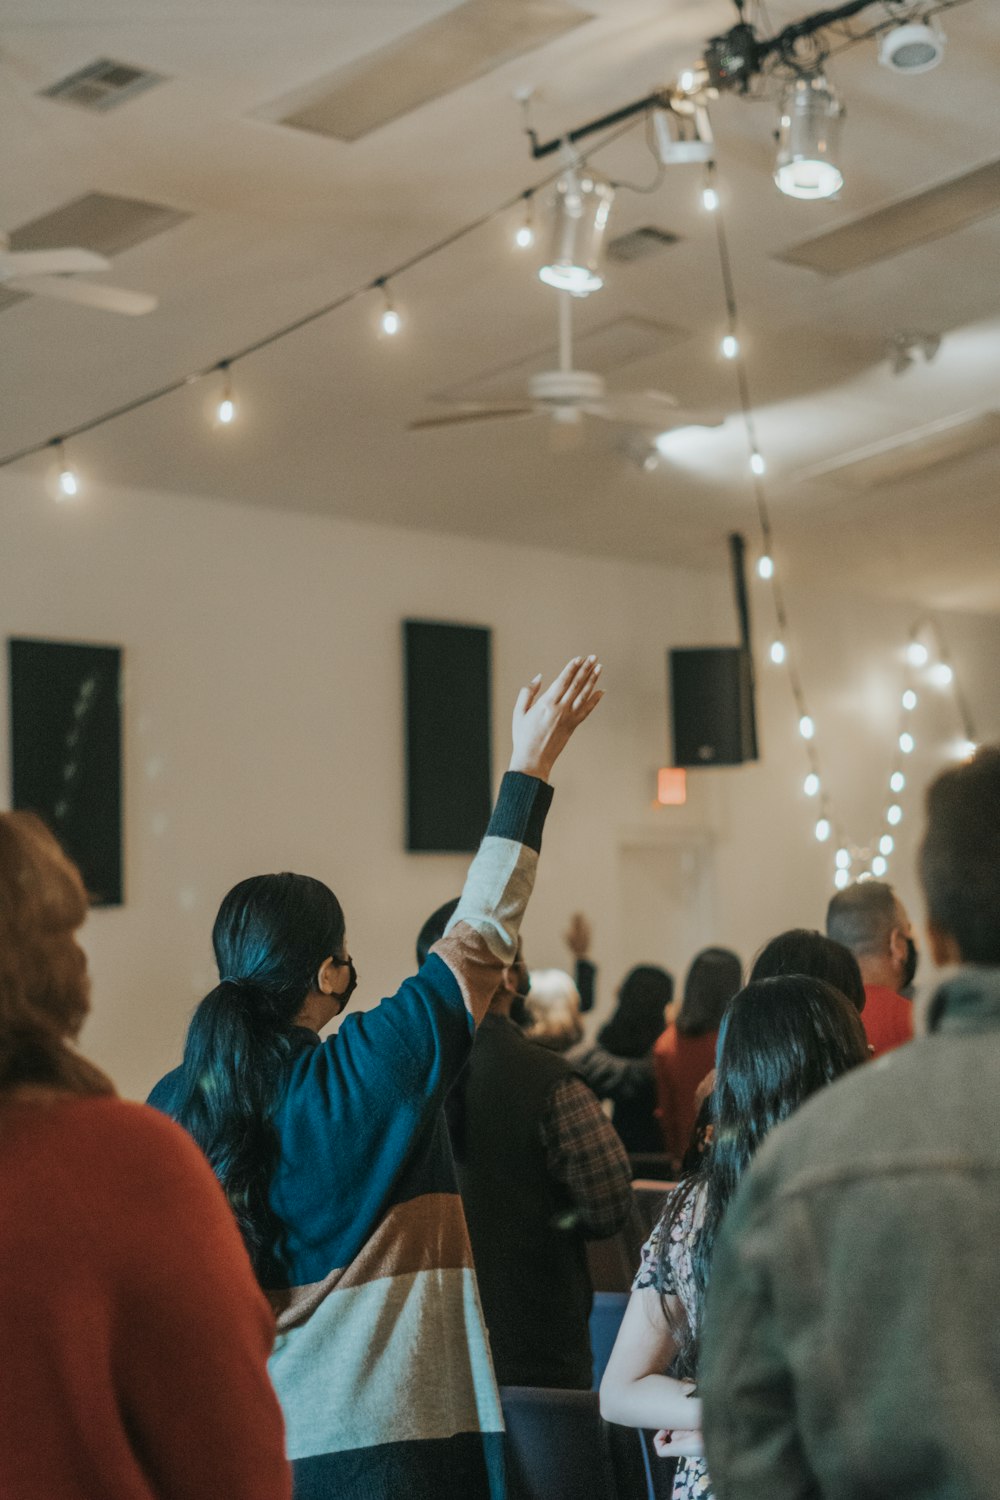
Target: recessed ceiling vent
<point>637,244</point>
<point>102,85</point>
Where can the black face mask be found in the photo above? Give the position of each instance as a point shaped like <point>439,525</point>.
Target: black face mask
<point>910,966</point>
<point>352,984</point>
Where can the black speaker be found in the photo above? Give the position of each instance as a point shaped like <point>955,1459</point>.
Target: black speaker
<point>712,706</point>
<point>448,775</point>
<point>65,741</point>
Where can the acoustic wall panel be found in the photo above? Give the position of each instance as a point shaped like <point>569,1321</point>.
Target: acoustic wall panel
<point>448,736</point>
<point>65,736</point>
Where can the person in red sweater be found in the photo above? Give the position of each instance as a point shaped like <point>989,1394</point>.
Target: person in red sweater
<point>134,1336</point>
<point>685,1052</point>
<point>869,918</point>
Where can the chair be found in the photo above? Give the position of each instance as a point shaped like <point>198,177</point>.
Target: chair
<point>605,1320</point>
<point>557,1446</point>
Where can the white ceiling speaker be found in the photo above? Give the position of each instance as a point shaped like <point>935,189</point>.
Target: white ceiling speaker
<point>580,215</point>
<point>915,48</point>
<point>567,395</point>
<point>53,273</point>
<point>809,139</point>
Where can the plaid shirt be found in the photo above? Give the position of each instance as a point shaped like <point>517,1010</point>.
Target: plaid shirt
<point>585,1154</point>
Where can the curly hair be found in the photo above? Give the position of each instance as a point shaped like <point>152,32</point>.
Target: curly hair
<point>44,987</point>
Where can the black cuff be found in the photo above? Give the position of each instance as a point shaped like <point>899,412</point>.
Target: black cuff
<point>520,810</point>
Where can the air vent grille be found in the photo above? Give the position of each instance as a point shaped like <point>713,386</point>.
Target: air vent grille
<point>102,85</point>
<point>637,244</point>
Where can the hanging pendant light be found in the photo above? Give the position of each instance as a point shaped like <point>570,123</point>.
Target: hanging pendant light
<point>580,218</point>
<point>809,139</point>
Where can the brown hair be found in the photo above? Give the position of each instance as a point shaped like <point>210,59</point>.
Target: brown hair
<point>44,988</point>
<point>960,856</point>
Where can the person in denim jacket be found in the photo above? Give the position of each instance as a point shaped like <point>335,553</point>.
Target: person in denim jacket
<point>851,1343</point>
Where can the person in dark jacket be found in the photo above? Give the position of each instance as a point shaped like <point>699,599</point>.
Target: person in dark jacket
<point>850,1340</point>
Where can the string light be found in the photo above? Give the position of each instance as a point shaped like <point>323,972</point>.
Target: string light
<point>730,346</point>
<point>225,412</point>
<point>778,652</point>
<point>967,749</point>
<point>709,198</point>
<point>757,465</point>
<point>886,844</point>
<point>823,830</point>
<point>525,236</point>
<point>879,866</point>
<point>894,814</point>
<point>897,781</point>
<point>390,322</point>
<point>806,727</point>
<point>941,674</point>
<point>67,479</point>
<point>811,784</point>
<point>917,654</point>
<point>765,566</point>
<point>841,879</point>
<point>909,700</point>
<point>906,743</point>
<point>842,859</point>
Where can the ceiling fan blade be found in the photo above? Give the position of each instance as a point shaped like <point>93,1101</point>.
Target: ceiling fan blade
<point>472,414</point>
<point>639,411</point>
<point>87,293</point>
<point>52,262</point>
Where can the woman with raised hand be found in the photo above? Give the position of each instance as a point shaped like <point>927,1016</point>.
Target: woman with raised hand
<point>134,1337</point>
<point>334,1154</point>
<point>782,1039</point>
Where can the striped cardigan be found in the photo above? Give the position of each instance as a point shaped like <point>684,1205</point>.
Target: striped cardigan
<point>381,1360</point>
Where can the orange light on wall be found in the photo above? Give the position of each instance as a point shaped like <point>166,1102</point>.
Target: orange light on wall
<point>671,786</point>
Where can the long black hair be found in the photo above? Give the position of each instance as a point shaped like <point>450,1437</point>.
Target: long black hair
<point>271,936</point>
<point>801,950</point>
<point>645,993</point>
<point>782,1040</point>
<point>712,980</point>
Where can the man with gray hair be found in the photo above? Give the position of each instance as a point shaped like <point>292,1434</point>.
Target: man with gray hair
<point>869,918</point>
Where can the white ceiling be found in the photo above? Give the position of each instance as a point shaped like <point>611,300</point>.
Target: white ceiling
<point>283,221</point>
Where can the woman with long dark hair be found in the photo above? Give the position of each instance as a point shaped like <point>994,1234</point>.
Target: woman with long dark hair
<point>782,1040</point>
<point>135,1339</point>
<point>685,1052</point>
<point>334,1153</point>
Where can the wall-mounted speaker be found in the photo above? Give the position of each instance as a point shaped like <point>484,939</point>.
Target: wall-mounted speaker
<point>712,706</point>
<point>448,736</point>
<point>65,741</point>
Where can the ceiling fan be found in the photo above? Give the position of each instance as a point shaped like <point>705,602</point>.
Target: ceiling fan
<point>568,395</point>
<point>53,273</point>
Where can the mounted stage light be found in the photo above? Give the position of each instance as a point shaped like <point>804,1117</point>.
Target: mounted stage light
<point>580,218</point>
<point>683,132</point>
<point>915,48</point>
<point>809,139</point>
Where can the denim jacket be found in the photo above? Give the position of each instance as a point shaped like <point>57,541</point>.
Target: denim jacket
<point>851,1344</point>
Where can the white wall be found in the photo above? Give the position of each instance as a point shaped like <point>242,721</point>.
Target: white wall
<point>263,731</point>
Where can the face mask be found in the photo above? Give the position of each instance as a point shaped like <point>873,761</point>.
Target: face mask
<point>910,966</point>
<point>352,984</point>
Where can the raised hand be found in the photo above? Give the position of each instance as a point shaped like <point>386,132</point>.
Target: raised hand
<point>578,935</point>
<point>544,721</point>
<point>679,1444</point>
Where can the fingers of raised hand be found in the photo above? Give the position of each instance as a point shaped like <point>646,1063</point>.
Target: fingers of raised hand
<point>588,690</point>
<point>586,670</point>
<point>526,697</point>
<point>679,1444</point>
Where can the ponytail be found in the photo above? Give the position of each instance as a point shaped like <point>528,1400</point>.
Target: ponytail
<point>271,936</point>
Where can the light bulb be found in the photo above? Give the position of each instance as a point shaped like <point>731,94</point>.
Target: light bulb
<point>765,566</point>
<point>730,346</point>
<point>390,322</point>
<point>897,781</point>
<point>811,784</point>
<point>823,830</point>
<point>906,743</point>
<point>895,814</point>
<point>778,652</point>
<point>843,859</point>
<point>879,866</point>
<point>806,727</point>
<point>967,749</point>
<point>757,464</point>
<point>525,237</point>
<point>69,483</point>
<point>841,879</point>
<point>916,654</point>
<point>225,411</point>
<point>886,844</point>
<point>909,700</point>
<point>941,674</point>
<point>709,199</point>
<point>687,81</point>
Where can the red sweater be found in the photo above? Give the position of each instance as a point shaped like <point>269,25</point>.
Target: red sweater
<point>887,1018</point>
<point>681,1063</point>
<point>134,1337</point>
